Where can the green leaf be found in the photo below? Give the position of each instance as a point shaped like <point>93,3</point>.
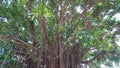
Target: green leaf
<point>23,2</point>
<point>71,44</point>
<point>76,40</point>
<point>61,28</point>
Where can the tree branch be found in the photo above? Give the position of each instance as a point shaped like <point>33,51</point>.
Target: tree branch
<point>28,4</point>
<point>42,22</point>
<point>95,57</point>
<point>17,41</point>
<point>32,31</point>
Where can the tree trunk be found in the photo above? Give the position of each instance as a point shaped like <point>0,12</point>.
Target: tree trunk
<point>69,59</point>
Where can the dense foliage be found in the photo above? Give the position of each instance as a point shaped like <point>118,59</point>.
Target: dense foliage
<point>58,33</point>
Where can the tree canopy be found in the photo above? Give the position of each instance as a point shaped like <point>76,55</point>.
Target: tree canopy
<point>59,33</point>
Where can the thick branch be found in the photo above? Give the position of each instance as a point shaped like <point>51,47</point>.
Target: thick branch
<point>5,38</point>
<point>32,31</point>
<point>16,40</point>
<point>28,4</point>
<point>96,57</point>
<point>42,22</point>
<point>31,24</point>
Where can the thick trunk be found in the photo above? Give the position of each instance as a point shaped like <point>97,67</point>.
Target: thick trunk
<point>30,63</point>
<point>51,58</point>
<point>69,59</point>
